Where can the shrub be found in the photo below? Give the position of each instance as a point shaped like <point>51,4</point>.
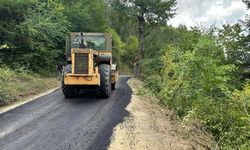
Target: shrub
<point>196,82</point>
<point>6,92</point>
<point>15,85</point>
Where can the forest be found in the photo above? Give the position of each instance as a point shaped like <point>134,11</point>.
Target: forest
<point>200,73</point>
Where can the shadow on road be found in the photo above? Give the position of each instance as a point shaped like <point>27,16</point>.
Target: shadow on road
<point>87,97</point>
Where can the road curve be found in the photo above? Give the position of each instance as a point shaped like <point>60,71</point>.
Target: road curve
<point>55,122</point>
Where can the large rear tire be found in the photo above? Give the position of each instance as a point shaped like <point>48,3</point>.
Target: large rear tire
<point>105,87</point>
<point>113,86</point>
<point>68,90</point>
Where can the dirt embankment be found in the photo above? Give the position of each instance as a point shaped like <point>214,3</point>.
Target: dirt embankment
<point>152,127</point>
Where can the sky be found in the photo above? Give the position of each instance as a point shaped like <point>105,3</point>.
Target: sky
<point>208,12</point>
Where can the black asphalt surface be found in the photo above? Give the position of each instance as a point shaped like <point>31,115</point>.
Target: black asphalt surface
<point>55,122</point>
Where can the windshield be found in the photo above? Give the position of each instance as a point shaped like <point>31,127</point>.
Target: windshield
<point>96,42</point>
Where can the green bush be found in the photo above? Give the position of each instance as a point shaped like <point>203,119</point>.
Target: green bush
<point>18,84</point>
<point>196,82</point>
<point>228,119</point>
<point>238,112</point>
<point>193,74</point>
<point>6,92</point>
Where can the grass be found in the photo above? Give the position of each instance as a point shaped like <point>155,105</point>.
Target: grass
<point>18,85</point>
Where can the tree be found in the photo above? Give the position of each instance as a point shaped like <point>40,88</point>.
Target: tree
<point>145,13</point>
<point>34,32</point>
<point>131,47</point>
<point>247,22</point>
<point>247,3</point>
<point>86,15</point>
<point>247,39</point>
<point>233,42</point>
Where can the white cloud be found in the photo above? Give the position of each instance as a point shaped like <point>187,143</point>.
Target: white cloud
<point>208,12</point>
<point>217,11</point>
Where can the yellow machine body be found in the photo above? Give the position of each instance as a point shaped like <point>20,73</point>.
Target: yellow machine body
<point>91,77</point>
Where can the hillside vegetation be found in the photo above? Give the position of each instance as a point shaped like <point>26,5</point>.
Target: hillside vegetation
<point>198,83</point>
<point>200,73</point>
<point>18,85</point>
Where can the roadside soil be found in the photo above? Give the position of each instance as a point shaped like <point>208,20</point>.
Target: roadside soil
<point>152,127</point>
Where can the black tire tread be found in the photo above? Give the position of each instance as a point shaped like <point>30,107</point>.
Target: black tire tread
<point>113,86</point>
<point>68,91</point>
<point>105,87</point>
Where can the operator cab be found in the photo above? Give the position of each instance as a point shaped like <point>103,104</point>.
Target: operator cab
<point>101,42</point>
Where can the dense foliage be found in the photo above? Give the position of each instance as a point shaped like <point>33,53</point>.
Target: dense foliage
<point>199,75</point>
<point>33,31</point>
<point>86,15</point>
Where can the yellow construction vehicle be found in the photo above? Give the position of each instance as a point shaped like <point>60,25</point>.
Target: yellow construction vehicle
<point>90,66</point>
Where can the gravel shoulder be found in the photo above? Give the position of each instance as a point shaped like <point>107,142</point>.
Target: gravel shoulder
<point>150,126</point>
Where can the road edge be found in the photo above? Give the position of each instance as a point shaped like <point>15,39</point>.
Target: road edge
<point>27,100</point>
<point>147,118</point>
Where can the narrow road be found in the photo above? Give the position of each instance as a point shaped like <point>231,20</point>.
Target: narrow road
<point>55,122</point>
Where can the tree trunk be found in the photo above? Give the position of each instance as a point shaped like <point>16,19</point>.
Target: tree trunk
<point>141,22</point>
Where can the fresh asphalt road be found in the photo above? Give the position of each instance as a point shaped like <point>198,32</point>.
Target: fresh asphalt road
<point>55,122</point>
